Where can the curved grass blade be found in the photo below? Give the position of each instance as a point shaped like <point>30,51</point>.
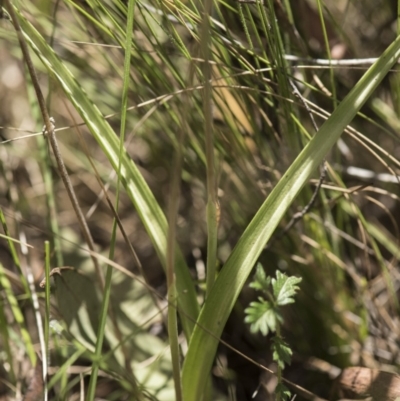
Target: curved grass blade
<point>215,312</point>
<point>147,207</point>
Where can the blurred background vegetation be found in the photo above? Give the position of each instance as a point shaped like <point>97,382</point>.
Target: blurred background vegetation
<point>346,248</point>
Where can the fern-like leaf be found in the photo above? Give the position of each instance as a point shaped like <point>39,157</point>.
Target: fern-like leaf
<point>260,281</point>
<point>262,316</point>
<point>281,352</point>
<point>285,288</point>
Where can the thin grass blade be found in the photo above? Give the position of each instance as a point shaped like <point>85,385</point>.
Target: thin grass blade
<point>232,278</point>
<point>147,207</point>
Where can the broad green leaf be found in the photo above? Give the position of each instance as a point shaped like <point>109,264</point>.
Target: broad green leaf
<point>216,310</point>
<point>136,187</point>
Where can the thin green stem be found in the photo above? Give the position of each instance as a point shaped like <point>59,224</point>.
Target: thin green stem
<point>277,50</point>
<point>46,357</point>
<point>212,224</point>
<point>170,266</point>
<point>47,176</point>
<point>244,24</point>
<point>109,271</point>
<point>51,203</point>
<point>328,52</point>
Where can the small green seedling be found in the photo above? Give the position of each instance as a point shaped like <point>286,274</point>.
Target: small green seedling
<point>264,316</point>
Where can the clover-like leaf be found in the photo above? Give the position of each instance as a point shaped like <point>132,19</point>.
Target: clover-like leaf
<point>284,288</point>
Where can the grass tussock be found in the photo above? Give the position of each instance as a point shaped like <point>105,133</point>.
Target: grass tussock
<point>199,139</point>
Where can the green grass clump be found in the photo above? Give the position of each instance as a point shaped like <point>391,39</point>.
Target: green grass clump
<point>210,137</point>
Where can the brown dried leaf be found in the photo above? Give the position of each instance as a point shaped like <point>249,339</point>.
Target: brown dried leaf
<point>359,383</point>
